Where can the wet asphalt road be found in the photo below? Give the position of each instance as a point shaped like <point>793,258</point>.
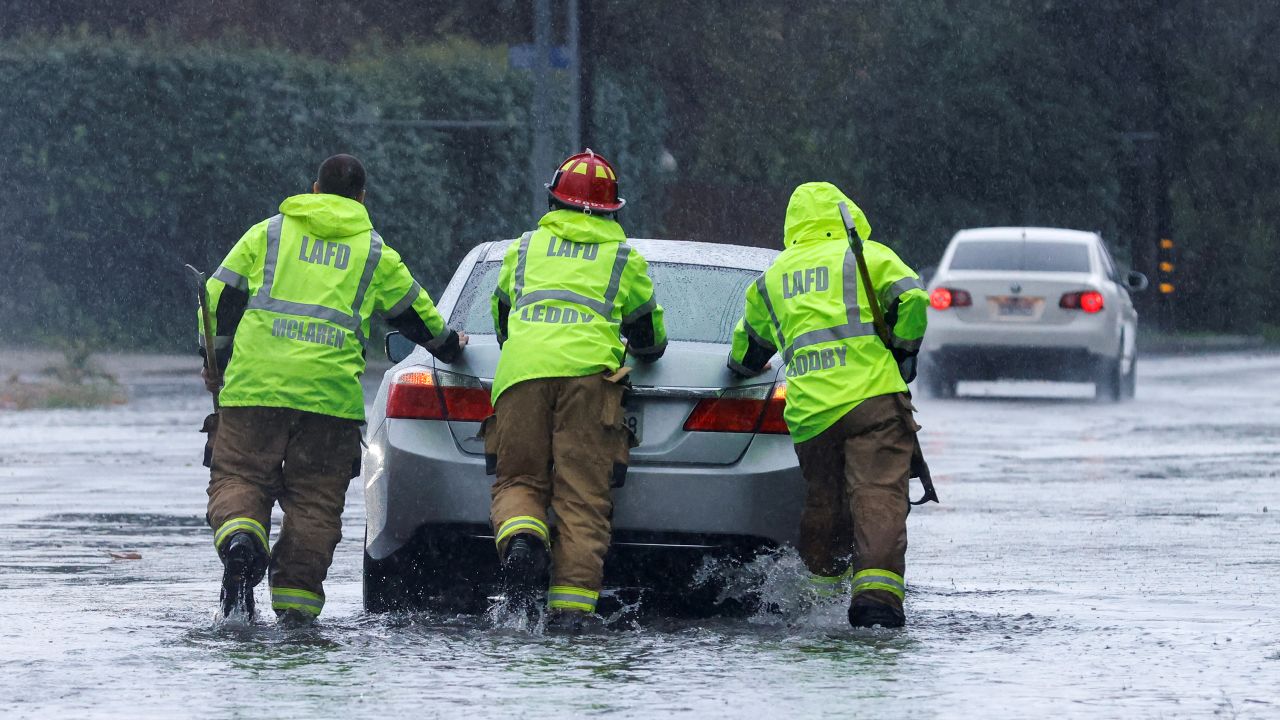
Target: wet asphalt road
<point>1090,561</point>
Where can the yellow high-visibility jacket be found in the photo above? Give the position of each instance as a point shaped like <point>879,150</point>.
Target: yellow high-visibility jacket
<point>292,302</point>
<point>565,293</point>
<point>810,306</point>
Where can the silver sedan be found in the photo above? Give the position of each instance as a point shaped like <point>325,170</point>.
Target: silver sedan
<point>1031,303</point>
<point>714,476</point>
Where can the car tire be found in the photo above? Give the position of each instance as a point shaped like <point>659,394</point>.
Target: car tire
<point>939,384</point>
<point>1108,383</point>
<point>377,583</point>
<point>1129,384</point>
<point>937,381</point>
<point>437,570</point>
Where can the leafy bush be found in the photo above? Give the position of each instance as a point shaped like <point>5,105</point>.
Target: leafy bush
<point>130,158</point>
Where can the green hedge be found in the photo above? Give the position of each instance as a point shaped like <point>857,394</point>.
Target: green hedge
<point>938,115</point>
<point>129,159</point>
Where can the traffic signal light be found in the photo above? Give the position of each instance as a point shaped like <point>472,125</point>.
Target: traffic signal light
<point>1164,263</point>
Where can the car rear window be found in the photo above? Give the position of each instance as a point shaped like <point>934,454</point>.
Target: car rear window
<point>1026,255</point>
<point>701,303</point>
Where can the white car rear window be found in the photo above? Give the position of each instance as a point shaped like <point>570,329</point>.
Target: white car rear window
<point>700,302</point>
<point>1025,255</point>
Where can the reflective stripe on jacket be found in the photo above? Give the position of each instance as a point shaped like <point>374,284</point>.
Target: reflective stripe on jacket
<point>810,306</point>
<point>565,293</point>
<point>314,275</point>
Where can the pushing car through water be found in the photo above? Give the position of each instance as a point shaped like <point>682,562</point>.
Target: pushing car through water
<point>714,476</point>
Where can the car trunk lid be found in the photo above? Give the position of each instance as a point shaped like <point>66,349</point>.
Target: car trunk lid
<point>1015,296</point>
<point>663,395</point>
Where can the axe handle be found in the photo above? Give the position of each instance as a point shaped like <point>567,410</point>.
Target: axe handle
<point>210,355</point>
<point>877,313</point>
<point>855,244</point>
<point>919,468</point>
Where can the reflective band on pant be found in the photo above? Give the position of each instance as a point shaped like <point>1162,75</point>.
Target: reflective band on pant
<point>523,523</point>
<point>564,597</point>
<point>827,585</point>
<point>295,599</point>
<point>875,579</point>
<point>241,524</point>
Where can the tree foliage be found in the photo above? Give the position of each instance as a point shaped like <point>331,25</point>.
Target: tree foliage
<point>131,155</point>
<point>130,158</point>
<point>937,115</point>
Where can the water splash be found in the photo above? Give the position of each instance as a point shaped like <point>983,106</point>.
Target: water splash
<point>503,615</point>
<point>775,585</point>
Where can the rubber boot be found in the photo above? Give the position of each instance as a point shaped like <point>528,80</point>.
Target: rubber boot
<point>243,565</point>
<point>524,572</point>
<point>865,612</point>
<point>573,622</point>
<point>292,619</point>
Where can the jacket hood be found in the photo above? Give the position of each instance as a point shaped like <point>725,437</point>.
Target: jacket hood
<point>581,227</point>
<point>813,215</point>
<point>328,216</point>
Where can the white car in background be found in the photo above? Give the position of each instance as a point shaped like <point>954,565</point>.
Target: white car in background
<point>1031,303</point>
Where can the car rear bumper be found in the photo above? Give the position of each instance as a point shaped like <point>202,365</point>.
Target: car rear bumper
<point>1096,335</point>
<point>989,362</point>
<point>417,476</point>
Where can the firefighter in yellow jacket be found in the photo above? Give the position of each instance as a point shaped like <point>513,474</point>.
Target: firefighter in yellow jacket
<point>565,293</point>
<point>847,407</point>
<point>290,308</point>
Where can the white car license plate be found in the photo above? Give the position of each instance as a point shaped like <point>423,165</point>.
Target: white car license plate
<point>634,420</point>
<point>1016,306</point>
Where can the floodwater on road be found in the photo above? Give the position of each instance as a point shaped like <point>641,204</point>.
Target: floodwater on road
<point>1089,560</point>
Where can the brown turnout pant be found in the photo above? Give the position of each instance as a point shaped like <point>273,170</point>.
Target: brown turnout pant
<point>302,460</point>
<point>856,503</point>
<point>558,440</point>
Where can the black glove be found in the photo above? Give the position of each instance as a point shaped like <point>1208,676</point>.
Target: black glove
<point>907,367</point>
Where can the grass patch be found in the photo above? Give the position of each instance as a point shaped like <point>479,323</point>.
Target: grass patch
<point>16,394</point>
<point>76,382</point>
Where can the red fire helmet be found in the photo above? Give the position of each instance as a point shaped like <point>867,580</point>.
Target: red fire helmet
<point>586,182</point>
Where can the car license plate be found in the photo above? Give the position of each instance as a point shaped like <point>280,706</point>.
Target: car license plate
<point>634,420</point>
<point>1010,305</point>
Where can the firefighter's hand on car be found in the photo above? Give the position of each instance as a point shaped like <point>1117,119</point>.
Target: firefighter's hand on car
<point>736,370</point>
<point>462,339</point>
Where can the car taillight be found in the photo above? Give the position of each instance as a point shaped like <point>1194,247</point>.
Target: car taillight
<point>426,395</point>
<point>465,397</point>
<point>413,394</point>
<point>943,298</point>
<point>772,422</point>
<point>1089,301</point>
<point>755,408</point>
